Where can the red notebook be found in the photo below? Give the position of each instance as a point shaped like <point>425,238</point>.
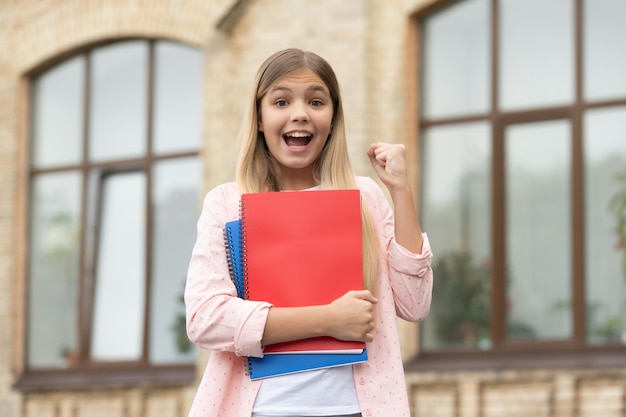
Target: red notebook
<point>302,248</point>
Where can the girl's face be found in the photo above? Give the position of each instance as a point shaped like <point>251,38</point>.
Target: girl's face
<point>296,120</point>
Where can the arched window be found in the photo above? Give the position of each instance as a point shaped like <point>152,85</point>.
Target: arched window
<point>523,133</point>
<point>114,195</point>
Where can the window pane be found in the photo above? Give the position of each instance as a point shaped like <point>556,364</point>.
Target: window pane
<point>57,119</point>
<point>456,212</point>
<point>536,53</point>
<point>120,270</point>
<point>176,205</point>
<point>456,38</point>
<point>538,237</point>
<point>177,106</point>
<point>605,224</point>
<point>53,269</point>
<point>118,109</point>
<point>604,51</point>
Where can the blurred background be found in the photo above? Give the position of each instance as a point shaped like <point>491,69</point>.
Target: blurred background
<point>117,116</point>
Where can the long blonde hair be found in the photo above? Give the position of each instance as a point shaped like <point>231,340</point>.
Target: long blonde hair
<point>255,168</point>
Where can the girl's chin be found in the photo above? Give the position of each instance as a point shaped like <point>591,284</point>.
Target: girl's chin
<point>295,166</point>
<point>295,163</point>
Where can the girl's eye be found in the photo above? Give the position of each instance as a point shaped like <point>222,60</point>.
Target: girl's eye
<point>317,103</point>
<point>280,103</point>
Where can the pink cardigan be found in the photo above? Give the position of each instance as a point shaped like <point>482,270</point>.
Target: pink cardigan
<point>232,328</point>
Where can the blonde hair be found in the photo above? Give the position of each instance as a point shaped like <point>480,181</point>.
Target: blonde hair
<point>255,168</point>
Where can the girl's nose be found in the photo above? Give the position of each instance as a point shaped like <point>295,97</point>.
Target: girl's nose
<point>300,112</point>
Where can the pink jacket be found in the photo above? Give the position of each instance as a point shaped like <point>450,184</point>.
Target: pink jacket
<point>232,328</point>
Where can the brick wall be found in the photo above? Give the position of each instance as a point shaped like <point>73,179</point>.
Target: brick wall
<point>540,393</point>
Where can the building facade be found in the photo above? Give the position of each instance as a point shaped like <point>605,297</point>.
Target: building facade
<point>426,73</point>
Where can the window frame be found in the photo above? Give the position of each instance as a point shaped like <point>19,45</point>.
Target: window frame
<point>524,354</point>
<point>90,374</point>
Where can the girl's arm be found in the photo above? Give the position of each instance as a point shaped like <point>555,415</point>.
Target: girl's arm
<point>389,162</point>
<point>350,317</point>
<point>218,320</point>
<point>408,253</point>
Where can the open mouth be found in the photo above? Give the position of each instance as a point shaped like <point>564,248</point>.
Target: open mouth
<point>297,139</point>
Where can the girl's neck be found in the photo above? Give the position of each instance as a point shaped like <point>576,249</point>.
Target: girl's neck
<point>295,180</point>
<point>289,185</point>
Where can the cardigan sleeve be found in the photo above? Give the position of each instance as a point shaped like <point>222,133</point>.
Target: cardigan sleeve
<point>216,318</point>
<point>409,275</point>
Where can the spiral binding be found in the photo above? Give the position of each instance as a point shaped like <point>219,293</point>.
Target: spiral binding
<point>249,370</point>
<point>244,249</point>
<point>244,260</point>
<point>247,366</point>
<point>230,259</point>
<point>232,236</point>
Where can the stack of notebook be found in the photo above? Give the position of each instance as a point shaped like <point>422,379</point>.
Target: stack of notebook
<point>294,249</point>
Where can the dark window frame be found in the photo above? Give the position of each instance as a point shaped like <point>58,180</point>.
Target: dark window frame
<point>87,373</point>
<point>506,354</point>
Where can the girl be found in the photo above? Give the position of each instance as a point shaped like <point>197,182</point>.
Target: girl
<point>293,138</point>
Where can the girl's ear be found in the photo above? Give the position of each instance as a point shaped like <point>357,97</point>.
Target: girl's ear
<point>260,125</point>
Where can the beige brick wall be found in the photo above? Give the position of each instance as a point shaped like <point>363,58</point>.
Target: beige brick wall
<point>541,393</point>
<point>371,45</point>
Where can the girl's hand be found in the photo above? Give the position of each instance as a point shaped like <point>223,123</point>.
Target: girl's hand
<point>389,162</point>
<point>349,317</point>
<point>352,316</point>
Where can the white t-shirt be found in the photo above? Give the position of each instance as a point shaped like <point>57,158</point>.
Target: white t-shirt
<point>321,392</point>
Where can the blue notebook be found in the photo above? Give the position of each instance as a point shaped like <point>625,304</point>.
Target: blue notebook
<point>277,364</point>
<point>290,363</point>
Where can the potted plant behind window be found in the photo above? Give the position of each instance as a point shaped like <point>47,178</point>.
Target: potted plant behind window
<point>462,299</point>
<point>461,293</point>
<point>615,328</point>
<point>617,206</point>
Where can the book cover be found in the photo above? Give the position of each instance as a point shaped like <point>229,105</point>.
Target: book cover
<point>302,248</point>
<point>276,364</point>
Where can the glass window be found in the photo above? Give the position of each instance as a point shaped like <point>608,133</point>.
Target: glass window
<point>456,39</point>
<point>538,230</point>
<point>524,198</point>
<point>456,208</point>
<point>118,106</point>
<point>604,52</point>
<point>111,228</point>
<point>174,199</point>
<point>120,269</point>
<point>53,268</point>
<point>605,224</point>
<point>177,98</point>
<point>57,115</point>
<point>536,53</point>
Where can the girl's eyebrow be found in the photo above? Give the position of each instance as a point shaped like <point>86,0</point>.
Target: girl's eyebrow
<point>318,88</point>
